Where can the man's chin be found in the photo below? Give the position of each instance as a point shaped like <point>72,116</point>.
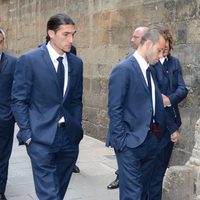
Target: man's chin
<point>154,62</point>
<point>66,50</point>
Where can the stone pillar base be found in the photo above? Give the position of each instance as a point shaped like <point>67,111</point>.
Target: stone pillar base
<point>178,183</point>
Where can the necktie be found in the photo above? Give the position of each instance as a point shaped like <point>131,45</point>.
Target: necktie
<point>61,73</point>
<point>148,75</point>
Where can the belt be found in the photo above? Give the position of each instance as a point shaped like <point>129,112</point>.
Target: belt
<point>154,129</point>
<point>61,124</point>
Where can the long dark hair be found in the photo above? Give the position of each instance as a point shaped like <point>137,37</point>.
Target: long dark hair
<point>56,21</point>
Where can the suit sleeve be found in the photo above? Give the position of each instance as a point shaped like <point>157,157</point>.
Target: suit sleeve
<point>118,84</point>
<point>21,92</point>
<point>170,122</point>
<point>76,105</point>
<point>181,91</point>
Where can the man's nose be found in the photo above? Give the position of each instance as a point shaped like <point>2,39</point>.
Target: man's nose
<point>161,54</point>
<point>70,38</point>
<point>132,39</point>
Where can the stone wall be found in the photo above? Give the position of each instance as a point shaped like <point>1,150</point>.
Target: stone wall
<point>183,182</point>
<point>104,30</point>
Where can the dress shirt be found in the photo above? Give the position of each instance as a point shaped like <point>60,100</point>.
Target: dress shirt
<point>143,66</point>
<point>54,55</point>
<point>162,60</point>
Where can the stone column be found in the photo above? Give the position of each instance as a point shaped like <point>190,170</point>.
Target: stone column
<point>178,184</point>
<point>194,163</point>
<point>183,182</point>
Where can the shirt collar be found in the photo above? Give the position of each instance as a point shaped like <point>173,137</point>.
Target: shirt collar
<point>162,60</point>
<point>141,61</point>
<point>53,54</point>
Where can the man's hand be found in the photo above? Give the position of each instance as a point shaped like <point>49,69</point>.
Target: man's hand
<point>175,136</point>
<point>166,101</point>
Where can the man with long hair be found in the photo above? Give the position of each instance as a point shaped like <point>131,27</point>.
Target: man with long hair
<point>47,104</point>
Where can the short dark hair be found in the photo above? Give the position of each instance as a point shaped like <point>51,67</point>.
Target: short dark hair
<point>166,33</point>
<point>56,21</point>
<point>153,34</point>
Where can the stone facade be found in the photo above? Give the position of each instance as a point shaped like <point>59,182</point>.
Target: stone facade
<point>104,30</point>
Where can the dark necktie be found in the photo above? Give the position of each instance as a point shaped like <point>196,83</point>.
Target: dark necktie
<point>148,74</point>
<point>61,73</point>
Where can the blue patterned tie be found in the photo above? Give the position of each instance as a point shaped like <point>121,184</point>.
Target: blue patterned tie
<point>61,73</point>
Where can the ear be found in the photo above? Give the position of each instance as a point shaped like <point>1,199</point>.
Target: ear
<point>149,44</point>
<point>51,33</point>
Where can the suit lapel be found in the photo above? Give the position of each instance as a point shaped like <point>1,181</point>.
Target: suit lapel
<point>3,62</point>
<point>159,107</point>
<point>70,69</point>
<point>49,64</point>
<point>139,72</point>
<point>170,71</point>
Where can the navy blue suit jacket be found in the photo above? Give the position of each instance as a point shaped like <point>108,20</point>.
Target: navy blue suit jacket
<point>37,100</point>
<point>7,68</point>
<point>171,84</point>
<point>129,106</point>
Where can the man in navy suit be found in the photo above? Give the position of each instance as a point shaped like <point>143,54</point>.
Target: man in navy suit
<point>136,115</point>
<point>135,41</point>
<point>7,67</point>
<point>172,86</point>
<point>47,104</point>
<point>72,50</point>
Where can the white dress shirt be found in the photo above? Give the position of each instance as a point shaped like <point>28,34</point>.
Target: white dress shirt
<point>162,60</point>
<point>54,55</point>
<point>143,66</point>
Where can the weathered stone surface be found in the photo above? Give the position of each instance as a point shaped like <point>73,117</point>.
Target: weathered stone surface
<point>186,9</point>
<point>178,184</point>
<point>195,158</point>
<point>183,182</point>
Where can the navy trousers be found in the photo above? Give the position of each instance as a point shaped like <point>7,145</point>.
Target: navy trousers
<point>135,168</point>
<point>52,166</point>
<point>6,143</point>
<point>161,163</point>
